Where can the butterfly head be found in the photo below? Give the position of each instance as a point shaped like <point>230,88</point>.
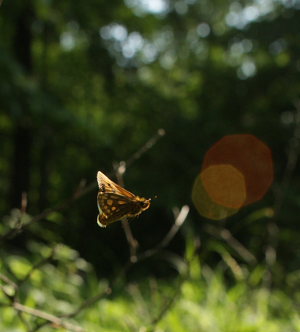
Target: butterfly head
<point>144,203</point>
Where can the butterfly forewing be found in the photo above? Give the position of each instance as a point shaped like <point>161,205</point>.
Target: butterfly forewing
<point>116,203</point>
<point>107,185</point>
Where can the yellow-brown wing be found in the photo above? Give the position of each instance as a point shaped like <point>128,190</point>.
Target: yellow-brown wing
<point>116,203</point>
<point>113,207</point>
<point>107,185</point>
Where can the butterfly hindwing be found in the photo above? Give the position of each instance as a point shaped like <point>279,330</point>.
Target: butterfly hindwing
<point>113,207</point>
<point>110,203</point>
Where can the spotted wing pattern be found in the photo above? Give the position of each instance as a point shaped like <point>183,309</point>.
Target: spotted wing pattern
<point>116,203</point>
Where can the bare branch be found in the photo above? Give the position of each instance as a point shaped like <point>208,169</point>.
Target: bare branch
<point>147,146</point>
<point>58,322</point>
<point>226,235</point>
<point>47,212</point>
<point>180,219</point>
<point>120,170</point>
<point>89,302</point>
<point>132,241</point>
<point>24,202</point>
<point>8,281</point>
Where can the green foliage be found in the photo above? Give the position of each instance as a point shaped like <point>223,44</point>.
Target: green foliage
<point>96,80</point>
<point>199,300</point>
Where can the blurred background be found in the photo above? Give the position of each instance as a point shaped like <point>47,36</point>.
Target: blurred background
<point>155,84</point>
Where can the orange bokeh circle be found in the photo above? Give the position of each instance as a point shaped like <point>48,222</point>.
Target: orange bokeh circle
<point>225,185</point>
<point>205,204</point>
<point>250,156</point>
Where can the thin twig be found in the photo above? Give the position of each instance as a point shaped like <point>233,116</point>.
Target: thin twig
<point>45,213</point>
<point>88,303</point>
<point>8,281</point>
<point>120,169</point>
<point>233,265</point>
<point>58,322</point>
<point>147,146</point>
<point>13,298</point>
<point>180,219</point>
<point>226,235</point>
<point>132,241</point>
<point>4,290</point>
<point>24,202</point>
<point>10,272</point>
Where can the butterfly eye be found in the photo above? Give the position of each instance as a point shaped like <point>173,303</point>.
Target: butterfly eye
<point>144,204</point>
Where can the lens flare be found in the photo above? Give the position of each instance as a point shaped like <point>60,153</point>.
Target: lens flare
<point>237,171</point>
<point>219,191</point>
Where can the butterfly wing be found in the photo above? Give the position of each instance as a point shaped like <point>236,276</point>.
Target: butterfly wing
<point>113,207</point>
<point>107,185</point>
<point>116,203</point>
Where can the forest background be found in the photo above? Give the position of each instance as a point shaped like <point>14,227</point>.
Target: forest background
<point>142,90</point>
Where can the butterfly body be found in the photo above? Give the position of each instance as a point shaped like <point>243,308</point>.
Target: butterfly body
<point>116,203</point>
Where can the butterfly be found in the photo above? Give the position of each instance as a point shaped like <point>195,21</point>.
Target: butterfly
<point>116,203</point>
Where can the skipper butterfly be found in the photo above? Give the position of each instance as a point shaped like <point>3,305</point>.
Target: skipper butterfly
<point>116,203</point>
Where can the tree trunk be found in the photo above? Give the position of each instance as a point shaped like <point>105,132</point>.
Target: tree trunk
<point>20,179</point>
<point>22,133</point>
